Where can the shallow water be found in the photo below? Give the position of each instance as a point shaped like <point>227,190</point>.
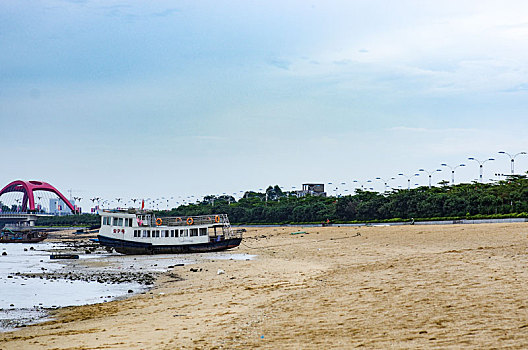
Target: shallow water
<point>24,300</point>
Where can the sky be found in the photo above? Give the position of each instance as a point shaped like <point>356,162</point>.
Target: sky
<point>136,99</point>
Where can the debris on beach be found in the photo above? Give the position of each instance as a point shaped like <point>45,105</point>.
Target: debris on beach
<point>64,256</point>
<point>110,277</point>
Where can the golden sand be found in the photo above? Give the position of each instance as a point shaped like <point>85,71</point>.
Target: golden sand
<point>459,286</point>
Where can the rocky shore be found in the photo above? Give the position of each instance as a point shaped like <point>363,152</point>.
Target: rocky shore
<point>29,268</point>
<point>144,278</point>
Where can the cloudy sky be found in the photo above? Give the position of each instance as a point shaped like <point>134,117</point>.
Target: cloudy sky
<point>178,98</point>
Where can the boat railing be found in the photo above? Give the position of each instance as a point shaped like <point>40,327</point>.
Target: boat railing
<point>215,219</point>
<point>219,220</point>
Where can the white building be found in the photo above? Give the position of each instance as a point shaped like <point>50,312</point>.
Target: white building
<point>58,207</point>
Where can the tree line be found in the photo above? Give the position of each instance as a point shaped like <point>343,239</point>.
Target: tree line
<point>504,198</point>
<point>507,198</point>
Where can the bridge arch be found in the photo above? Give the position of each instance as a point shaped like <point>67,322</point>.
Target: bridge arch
<point>27,187</point>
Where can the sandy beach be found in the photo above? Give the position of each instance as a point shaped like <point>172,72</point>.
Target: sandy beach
<point>458,286</point>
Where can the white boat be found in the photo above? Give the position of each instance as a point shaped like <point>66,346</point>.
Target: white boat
<point>135,231</point>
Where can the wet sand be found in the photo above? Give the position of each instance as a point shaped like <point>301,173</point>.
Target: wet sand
<point>374,287</point>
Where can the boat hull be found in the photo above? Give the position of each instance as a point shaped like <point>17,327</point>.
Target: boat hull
<point>140,248</point>
<point>23,239</point>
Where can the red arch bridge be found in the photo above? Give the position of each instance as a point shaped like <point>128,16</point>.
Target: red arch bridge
<point>28,213</point>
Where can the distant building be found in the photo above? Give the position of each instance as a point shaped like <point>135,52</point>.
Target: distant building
<point>58,207</point>
<point>312,189</point>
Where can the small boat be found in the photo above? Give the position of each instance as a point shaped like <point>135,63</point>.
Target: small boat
<point>22,235</point>
<point>133,231</point>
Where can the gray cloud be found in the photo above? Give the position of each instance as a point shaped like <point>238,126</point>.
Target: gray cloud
<point>280,63</point>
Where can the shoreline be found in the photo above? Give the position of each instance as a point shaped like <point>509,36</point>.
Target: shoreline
<point>96,270</point>
<point>378,287</point>
<point>28,269</point>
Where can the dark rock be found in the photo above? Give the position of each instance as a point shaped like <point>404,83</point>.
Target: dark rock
<point>4,253</point>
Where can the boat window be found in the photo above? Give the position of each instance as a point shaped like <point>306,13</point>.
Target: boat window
<point>128,222</point>
<point>194,232</point>
<point>144,233</point>
<point>203,231</point>
<point>172,233</point>
<point>148,233</point>
<point>184,233</point>
<point>118,221</point>
<point>166,233</point>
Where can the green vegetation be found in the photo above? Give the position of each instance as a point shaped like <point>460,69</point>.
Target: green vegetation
<point>504,199</point>
<point>69,220</point>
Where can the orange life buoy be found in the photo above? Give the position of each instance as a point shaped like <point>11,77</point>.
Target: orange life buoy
<point>190,221</point>
<point>159,221</point>
<point>178,219</point>
<point>217,218</point>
